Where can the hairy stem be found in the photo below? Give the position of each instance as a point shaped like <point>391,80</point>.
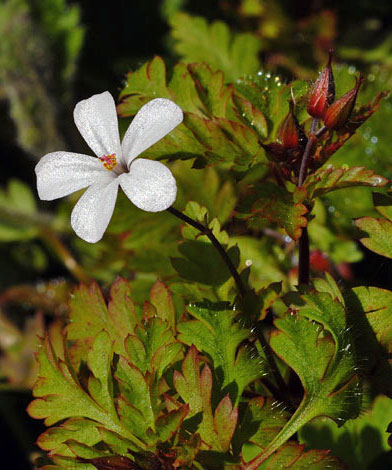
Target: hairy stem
<point>307,152</point>
<point>281,392</point>
<point>208,232</point>
<point>303,243</point>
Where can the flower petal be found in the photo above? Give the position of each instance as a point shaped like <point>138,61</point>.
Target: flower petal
<point>96,119</point>
<point>63,173</point>
<point>150,185</point>
<point>92,213</point>
<point>153,121</point>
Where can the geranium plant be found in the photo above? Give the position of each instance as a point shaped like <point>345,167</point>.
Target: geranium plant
<point>220,366</point>
<point>211,288</point>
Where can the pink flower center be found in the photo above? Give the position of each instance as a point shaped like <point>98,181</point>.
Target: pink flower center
<point>109,161</point>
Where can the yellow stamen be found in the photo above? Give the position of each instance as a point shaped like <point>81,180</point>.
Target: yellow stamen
<point>109,161</point>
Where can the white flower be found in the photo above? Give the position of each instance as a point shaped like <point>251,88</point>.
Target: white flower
<point>147,183</point>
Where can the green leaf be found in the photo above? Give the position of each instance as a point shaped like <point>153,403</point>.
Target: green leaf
<point>275,204</point>
<point>251,115</point>
<point>202,263</point>
<point>89,315</point>
<point>216,333</point>
<point>59,395</point>
<point>324,362</point>
<point>264,92</point>
<point>144,84</point>
<point>325,180</point>
<point>378,235</point>
<point>213,130</point>
<point>196,41</point>
<point>78,429</point>
<point>135,407</point>
<point>371,316</point>
<point>262,422</point>
<point>383,204</point>
<point>358,443</point>
<point>153,347</point>
<point>293,456</point>
<point>161,298</point>
<point>215,429</point>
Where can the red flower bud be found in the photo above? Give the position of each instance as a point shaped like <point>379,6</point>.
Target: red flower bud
<point>290,133</point>
<point>323,92</point>
<point>339,112</point>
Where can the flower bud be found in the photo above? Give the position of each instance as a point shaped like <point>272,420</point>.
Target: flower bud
<point>323,92</point>
<point>339,112</point>
<point>290,133</point>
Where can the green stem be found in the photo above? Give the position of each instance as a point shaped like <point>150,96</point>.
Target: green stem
<point>303,414</point>
<point>208,232</point>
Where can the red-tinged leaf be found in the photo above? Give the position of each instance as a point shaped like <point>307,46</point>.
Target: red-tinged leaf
<point>330,179</point>
<point>186,453</point>
<point>161,298</point>
<point>187,384</point>
<point>211,88</point>
<point>80,429</point>
<point>116,462</point>
<point>171,403</point>
<point>225,421</point>
<point>195,389</point>
<point>219,148</point>
<point>292,456</point>
<point>378,235</point>
<point>277,205</point>
<point>121,308</point>
<point>89,315</point>
<point>167,425</point>
<point>145,84</point>
<point>252,116</point>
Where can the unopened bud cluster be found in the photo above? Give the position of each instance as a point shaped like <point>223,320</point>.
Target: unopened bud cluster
<point>322,104</point>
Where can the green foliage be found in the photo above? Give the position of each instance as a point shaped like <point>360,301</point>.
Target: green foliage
<point>236,54</point>
<point>273,203</point>
<point>361,443</point>
<point>378,230</point>
<point>185,365</point>
<point>235,367</point>
<point>212,131</point>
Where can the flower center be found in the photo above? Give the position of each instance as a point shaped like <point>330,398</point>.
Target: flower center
<point>109,161</point>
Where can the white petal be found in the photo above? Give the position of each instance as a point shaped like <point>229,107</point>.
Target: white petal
<point>92,213</point>
<point>150,185</point>
<point>96,119</point>
<point>153,121</point>
<point>62,173</point>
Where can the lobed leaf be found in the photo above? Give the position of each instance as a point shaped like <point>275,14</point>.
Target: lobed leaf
<point>216,333</point>
<point>325,364</point>
<point>325,180</point>
<point>196,41</point>
<point>378,235</point>
<point>195,388</point>
<point>277,205</point>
